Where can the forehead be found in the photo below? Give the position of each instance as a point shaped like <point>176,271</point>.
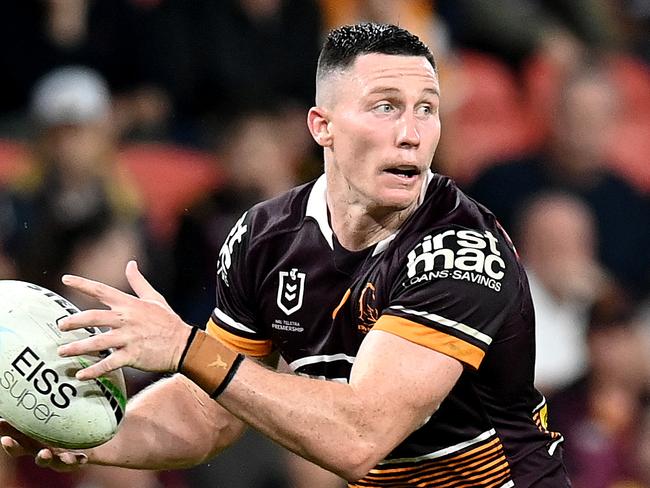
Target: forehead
<point>370,70</point>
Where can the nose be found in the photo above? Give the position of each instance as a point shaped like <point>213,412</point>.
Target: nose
<point>408,136</point>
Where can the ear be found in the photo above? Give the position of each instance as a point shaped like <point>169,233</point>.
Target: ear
<point>318,123</point>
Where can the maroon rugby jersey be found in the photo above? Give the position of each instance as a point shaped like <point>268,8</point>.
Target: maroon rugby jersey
<point>449,280</point>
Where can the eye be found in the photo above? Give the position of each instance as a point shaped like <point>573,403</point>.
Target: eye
<point>384,108</point>
<point>426,109</point>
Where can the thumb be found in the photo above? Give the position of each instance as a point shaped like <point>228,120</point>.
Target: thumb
<point>140,285</point>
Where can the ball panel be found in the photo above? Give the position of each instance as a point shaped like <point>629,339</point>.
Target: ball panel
<point>39,394</point>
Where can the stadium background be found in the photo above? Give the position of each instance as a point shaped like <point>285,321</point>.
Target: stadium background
<point>143,128</point>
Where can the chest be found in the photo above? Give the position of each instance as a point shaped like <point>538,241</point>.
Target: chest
<point>317,309</point>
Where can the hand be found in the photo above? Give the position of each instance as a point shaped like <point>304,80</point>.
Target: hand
<point>145,333</point>
<point>18,444</point>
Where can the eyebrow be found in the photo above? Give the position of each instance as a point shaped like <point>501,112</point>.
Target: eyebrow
<point>391,90</point>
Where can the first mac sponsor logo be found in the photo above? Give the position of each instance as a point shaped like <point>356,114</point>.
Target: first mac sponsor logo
<point>465,255</point>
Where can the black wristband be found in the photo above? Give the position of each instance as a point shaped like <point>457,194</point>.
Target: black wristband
<point>195,329</point>
<point>229,376</point>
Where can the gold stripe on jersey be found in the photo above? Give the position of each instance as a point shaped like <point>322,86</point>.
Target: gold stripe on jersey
<point>482,466</point>
<point>343,300</point>
<point>431,338</point>
<point>249,347</point>
<point>540,417</point>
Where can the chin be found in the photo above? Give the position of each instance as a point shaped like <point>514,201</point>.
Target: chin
<point>397,200</point>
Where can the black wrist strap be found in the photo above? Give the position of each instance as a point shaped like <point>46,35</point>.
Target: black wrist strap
<point>195,329</point>
<point>229,376</point>
<point>208,362</point>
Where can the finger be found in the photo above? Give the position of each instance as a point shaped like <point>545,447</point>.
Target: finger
<point>140,285</point>
<point>44,458</point>
<point>94,344</point>
<point>72,458</point>
<point>16,440</point>
<point>92,318</point>
<point>63,462</point>
<point>8,442</point>
<point>11,446</point>
<point>113,361</point>
<point>106,294</point>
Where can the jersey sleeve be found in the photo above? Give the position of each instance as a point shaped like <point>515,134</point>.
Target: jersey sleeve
<point>454,290</point>
<point>233,320</point>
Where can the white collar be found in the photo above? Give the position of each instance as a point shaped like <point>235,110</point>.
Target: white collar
<point>317,209</point>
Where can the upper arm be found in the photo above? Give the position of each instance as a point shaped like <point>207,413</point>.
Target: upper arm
<point>455,290</point>
<point>448,302</point>
<point>234,319</point>
<point>402,382</point>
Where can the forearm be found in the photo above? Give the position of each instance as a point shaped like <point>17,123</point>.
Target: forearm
<point>320,421</point>
<point>324,422</point>
<point>171,424</point>
<point>345,428</point>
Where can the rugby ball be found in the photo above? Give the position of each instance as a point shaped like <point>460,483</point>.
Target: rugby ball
<point>39,394</point>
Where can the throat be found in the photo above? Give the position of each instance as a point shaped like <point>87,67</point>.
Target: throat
<point>357,229</point>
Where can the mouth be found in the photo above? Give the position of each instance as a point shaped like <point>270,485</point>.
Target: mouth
<point>403,171</point>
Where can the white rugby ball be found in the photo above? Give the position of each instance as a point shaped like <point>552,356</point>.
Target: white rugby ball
<point>39,394</point>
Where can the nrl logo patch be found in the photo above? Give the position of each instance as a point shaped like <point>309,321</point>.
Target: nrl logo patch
<point>291,289</point>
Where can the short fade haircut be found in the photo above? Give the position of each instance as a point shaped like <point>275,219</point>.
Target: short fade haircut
<point>344,44</point>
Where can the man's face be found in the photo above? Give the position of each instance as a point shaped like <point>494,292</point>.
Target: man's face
<point>584,124</point>
<point>77,149</point>
<point>384,127</point>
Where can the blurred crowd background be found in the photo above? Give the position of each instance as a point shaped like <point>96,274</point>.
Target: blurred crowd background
<point>143,128</point>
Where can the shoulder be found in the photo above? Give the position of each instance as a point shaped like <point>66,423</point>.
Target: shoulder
<point>259,224</point>
<point>454,271</point>
<point>265,225</point>
<point>453,236</point>
<point>280,215</point>
<point>445,205</point>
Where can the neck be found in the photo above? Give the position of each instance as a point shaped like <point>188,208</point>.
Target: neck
<point>357,227</point>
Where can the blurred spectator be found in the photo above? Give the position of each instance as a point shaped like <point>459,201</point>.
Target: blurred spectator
<point>600,414</point>
<point>574,161</point>
<point>513,57</point>
<point>169,64</point>
<point>107,36</point>
<point>258,166</point>
<point>515,30</point>
<point>73,209</point>
<point>74,197</point>
<point>555,235</point>
<point>415,15</point>
<point>635,18</point>
<point>253,53</point>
